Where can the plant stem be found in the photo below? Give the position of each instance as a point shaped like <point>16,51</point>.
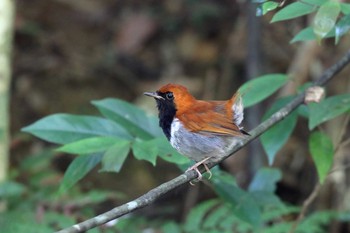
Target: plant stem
<point>6,27</point>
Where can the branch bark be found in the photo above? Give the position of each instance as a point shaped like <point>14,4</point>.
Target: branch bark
<point>157,192</point>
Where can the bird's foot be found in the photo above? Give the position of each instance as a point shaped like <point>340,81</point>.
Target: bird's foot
<point>195,168</point>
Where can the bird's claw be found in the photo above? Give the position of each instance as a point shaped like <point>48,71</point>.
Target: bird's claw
<point>195,168</point>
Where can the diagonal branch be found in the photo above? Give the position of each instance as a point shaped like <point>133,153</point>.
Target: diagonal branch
<point>157,192</point>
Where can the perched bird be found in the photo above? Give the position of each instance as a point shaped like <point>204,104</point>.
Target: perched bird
<point>202,130</point>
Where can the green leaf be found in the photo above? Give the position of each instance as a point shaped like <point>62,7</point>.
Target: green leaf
<point>304,35</point>
<point>315,2</point>
<point>345,8</point>
<point>260,88</point>
<point>342,27</point>
<point>242,203</point>
<point>115,156</point>
<point>293,10</point>
<point>322,151</point>
<point>10,189</point>
<point>66,128</point>
<point>274,138</point>
<point>308,34</point>
<point>130,117</point>
<point>146,150</point>
<point>326,18</point>
<point>265,180</point>
<point>89,145</point>
<point>196,217</point>
<point>266,7</point>
<point>328,109</point>
<point>77,169</point>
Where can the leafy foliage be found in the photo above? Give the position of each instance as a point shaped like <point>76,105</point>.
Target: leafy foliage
<point>106,140</point>
<point>322,151</point>
<point>274,139</point>
<point>260,88</point>
<point>325,24</point>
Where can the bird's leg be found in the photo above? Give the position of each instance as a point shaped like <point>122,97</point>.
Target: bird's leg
<point>208,170</point>
<point>195,167</point>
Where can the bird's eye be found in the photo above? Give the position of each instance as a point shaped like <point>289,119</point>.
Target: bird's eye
<point>169,96</point>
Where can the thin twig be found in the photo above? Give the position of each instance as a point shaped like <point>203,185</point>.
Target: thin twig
<point>305,206</point>
<point>157,192</point>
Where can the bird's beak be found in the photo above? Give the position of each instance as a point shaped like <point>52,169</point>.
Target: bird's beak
<point>154,95</point>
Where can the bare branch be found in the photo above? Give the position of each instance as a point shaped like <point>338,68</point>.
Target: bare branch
<point>157,192</point>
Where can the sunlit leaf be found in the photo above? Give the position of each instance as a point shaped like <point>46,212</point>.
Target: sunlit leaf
<point>261,87</point>
<point>77,169</point>
<point>326,18</point>
<point>293,10</point>
<point>322,151</point>
<point>328,109</point>
<point>115,156</point>
<point>89,145</point>
<point>274,138</point>
<point>66,128</point>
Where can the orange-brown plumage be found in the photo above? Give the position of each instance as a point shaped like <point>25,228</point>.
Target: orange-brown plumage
<point>211,117</point>
<point>202,130</point>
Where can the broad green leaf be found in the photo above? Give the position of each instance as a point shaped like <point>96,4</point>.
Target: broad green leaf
<point>274,138</point>
<point>345,8</point>
<point>115,156</point>
<point>242,203</point>
<point>146,150</point>
<point>265,180</point>
<point>260,88</point>
<point>293,10</point>
<point>89,145</point>
<point>304,35</point>
<point>66,128</point>
<point>263,186</point>
<point>315,2</point>
<point>130,117</point>
<point>77,169</point>
<point>308,34</point>
<point>326,18</point>
<point>327,109</point>
<point>321,148</point>
<point>196,217</point>
<point>342,27</point>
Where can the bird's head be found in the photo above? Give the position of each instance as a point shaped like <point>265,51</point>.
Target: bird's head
<point>172,99</point>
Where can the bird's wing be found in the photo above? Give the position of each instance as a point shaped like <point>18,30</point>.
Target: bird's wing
<point>209,119</point>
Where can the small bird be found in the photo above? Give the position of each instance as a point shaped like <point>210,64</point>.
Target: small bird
<point>204,131</point>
